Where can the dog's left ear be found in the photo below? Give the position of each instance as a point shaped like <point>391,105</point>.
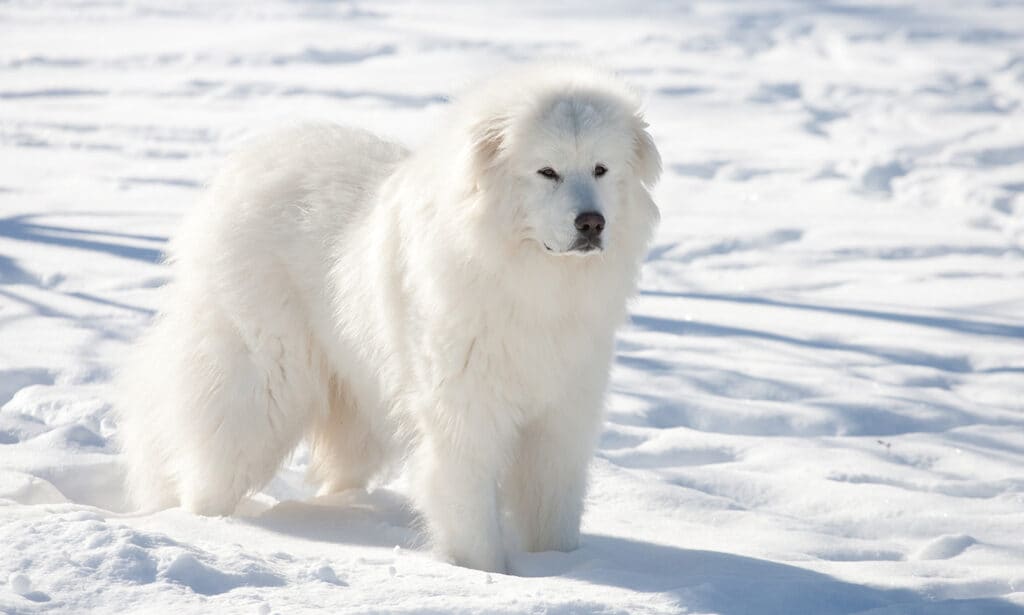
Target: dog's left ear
<point>646,159</point>
<point>487,138</point>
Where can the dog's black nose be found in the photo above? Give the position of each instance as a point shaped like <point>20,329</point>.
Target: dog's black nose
<point>590,224</point>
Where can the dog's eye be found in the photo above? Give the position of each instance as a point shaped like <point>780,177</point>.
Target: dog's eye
<point>600,170</point>
<point>549,173</point>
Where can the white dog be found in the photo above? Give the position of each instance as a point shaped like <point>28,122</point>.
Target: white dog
<point>453,309</point>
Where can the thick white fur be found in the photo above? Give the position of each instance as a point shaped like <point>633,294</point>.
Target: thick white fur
<point>404,307</point>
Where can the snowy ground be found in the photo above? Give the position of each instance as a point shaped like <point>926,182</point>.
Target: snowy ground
<point>818,407</point>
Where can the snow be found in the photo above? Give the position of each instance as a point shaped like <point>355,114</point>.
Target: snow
<point>19,583</point>
<point>817,406</point>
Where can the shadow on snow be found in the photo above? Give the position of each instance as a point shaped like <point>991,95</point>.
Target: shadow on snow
<point>22,228</point>
<point>959,325</point>
<point>735,584</point>
<point>697,580</point>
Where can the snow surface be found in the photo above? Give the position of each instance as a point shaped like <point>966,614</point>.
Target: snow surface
<point>816,409</point>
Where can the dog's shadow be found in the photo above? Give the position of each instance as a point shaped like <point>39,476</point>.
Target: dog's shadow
<point>703,581</point>
<point>381,518</point>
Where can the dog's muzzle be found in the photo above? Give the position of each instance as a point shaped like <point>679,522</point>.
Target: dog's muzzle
<point>589,226</point>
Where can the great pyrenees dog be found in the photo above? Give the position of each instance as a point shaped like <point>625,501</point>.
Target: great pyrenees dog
<point>450,311</point>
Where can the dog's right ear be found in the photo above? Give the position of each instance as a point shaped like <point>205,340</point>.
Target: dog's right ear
<point>646,159</point>
<point>487,140</point>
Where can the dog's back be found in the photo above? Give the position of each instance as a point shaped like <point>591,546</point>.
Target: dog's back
<point>232,367</point>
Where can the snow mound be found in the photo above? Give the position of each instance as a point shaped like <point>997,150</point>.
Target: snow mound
<point>207,580</point>
<point>945,547</point>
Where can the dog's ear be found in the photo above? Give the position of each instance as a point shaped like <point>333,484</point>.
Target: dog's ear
<point>487,139</point>
<point>646,159</point>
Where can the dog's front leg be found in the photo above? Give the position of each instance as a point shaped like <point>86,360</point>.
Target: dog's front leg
<point>547,482</point>
<point>462,453</point>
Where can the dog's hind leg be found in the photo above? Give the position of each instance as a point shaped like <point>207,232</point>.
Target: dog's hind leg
<point>223,405</point>
<point>344,453</point>
<point>265,390</point>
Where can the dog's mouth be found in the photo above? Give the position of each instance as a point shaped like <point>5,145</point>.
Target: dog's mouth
<point>584,245</point>
<point>580,246</point>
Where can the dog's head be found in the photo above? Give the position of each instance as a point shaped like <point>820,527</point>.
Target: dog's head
<point>567,162</point>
